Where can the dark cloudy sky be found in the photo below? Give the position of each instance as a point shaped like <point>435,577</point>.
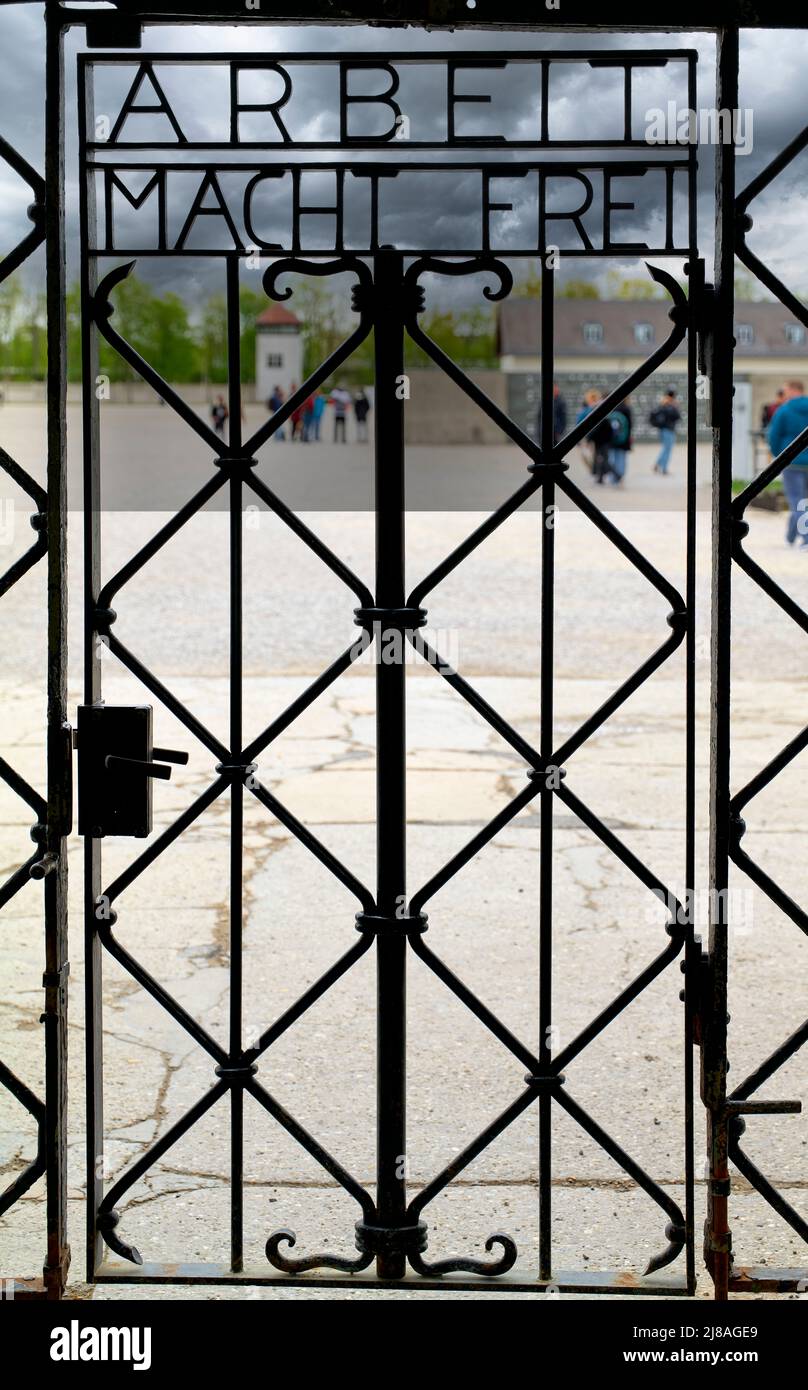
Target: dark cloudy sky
<point>773,86</point>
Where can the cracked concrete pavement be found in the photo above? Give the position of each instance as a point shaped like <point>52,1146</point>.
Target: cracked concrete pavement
<point>298,918</point>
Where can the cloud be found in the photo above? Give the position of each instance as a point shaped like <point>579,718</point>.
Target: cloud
<point>772,85</point>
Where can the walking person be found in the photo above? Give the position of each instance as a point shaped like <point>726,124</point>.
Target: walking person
<point>318,411</point>
<point>273,406</point>
<point>559,415</point>
<point>600,437</point>
<point>308,420</point>
<point>790,419</point>
<point>621,423</point>
<point>340,400</point>
<point>590,400</point>
<point>219,415</point>
<point>297,415</point>
<point>770,409</point>
<point>361,407</point>
<point>664,418</point>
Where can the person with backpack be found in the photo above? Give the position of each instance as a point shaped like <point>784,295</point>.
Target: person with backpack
<point>341,401</point>
<point>320,402</point>
<point>361,407</point>
<point>559,416</point>
<point>219,414</point>
<point>274,404</point>
<point>600,437</point>
<point>621,423</point>
<point>789,420</point>
<point>664,418</point>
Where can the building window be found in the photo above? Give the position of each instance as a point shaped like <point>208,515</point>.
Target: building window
<point>643,332</point>
<point>593,332</point>
<point>274,359</point>
<point>795,333</point>
<point>744,334</point>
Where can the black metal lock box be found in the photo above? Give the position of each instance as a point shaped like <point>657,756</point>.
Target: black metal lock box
<point>116,765</point>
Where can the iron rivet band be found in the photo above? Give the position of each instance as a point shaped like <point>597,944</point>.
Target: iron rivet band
<point>376,922</point>
<point>103,618</point>
<point>390,1240</point>
<point>555,1078</point>
<point>553,467</point>
<point>400,619</point>
<point>541,774</point>
<point>235,462</point>
<point>235,769</point>
<point>236,1073</point>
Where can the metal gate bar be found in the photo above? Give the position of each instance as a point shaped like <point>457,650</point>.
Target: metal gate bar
<point>727,1107</point>
<point>48,862</point>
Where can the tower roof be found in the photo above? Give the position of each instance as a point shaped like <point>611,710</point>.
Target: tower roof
<point>277,316</point>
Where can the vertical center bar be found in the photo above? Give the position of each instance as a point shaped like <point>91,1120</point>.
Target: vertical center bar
<point>546,795</point>
<point>714,1048</point>
<point>391,809</point>
<point>56,922</point>
<point>696,279</point>
<point>93,687</point>
<point>236,786</point>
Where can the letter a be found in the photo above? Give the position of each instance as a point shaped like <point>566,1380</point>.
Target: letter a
<point>160,108</point>
<point>60,1344</point>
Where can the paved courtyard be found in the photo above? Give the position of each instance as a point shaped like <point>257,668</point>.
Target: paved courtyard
<point>298,919</point>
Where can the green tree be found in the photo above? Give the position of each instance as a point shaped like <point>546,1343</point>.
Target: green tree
<point>467,336</point>
<point>11,298</point>
<point>324,318</point>
<point>212,337</point>
<point>578,289</point>
<point>633,287</point>
<point>73,315</point>
<point>250,303</point>
<point>176,355</point>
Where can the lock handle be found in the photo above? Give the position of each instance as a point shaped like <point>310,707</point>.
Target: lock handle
<point>170,755</point>
<point>140,764</point>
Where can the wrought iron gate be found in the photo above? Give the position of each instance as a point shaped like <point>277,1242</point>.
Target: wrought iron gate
<point>116,756</point>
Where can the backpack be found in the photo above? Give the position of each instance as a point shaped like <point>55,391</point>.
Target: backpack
<point>620,429</point>
<point>658,418</point>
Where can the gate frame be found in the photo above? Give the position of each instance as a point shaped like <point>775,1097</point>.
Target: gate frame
<point>390,300</point>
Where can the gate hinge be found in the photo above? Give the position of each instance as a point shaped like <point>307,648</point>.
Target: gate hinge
<point>705,305</point>
<point>65,805</point>
<point>55,1275</point>
<point>111,29</point>
<point>716,1243</point>
<point>698,990</point>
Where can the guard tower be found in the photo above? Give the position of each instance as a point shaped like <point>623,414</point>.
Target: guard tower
<point>278,351</point>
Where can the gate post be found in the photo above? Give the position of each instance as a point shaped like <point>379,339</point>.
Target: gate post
<point>59,752</point>
<point>391,809</point>
<point>717,1238</point>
